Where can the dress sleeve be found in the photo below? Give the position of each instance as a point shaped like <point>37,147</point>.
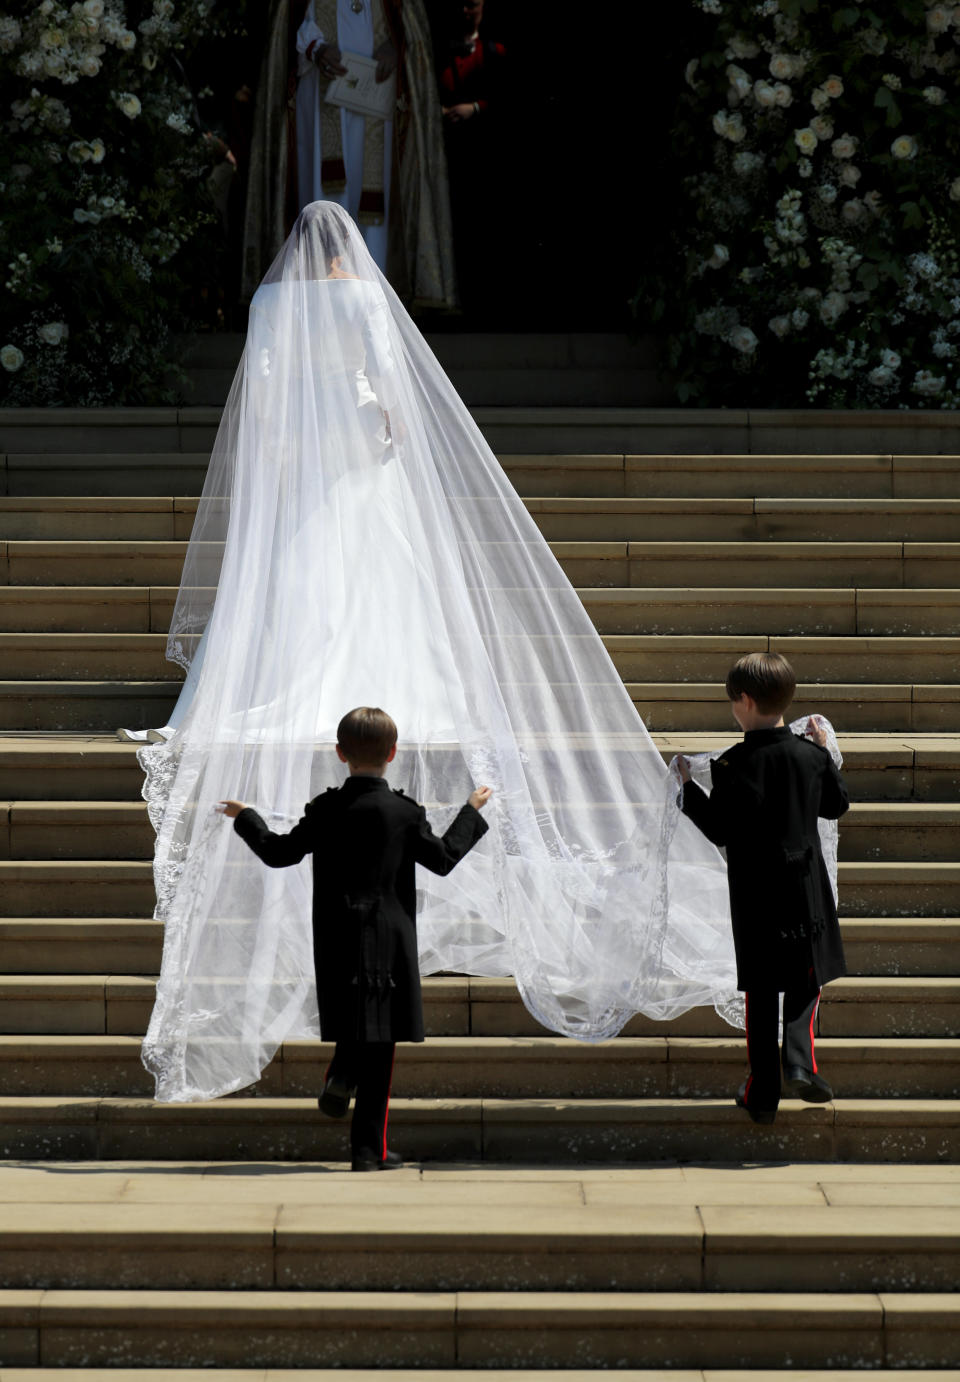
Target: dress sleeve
<point>309,34</point>
<point>379,363</point>
<point>441,853</point>
<point>277,851</point>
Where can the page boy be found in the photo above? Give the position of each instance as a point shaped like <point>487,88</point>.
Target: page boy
<point>365,840</point>
<point>768,792</point>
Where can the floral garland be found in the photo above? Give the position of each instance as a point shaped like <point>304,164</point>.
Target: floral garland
<point>818,195</point>
<point>102,180</point>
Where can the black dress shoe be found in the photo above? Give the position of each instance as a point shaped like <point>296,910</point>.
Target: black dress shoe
<point>759,1115</point>
<point>806,1085</point>
<point>366,1161</point>
<point>336,1096</point>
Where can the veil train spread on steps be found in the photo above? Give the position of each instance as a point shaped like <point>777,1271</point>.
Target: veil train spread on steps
<point>357,543</point>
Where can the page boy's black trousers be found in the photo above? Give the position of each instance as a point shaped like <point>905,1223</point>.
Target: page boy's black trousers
<point>367,1067</point>
<point>764,1051</point>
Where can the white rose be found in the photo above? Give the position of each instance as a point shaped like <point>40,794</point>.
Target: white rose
<point>880,377</point>
<point>904,147</point>
<point>926,383</point>
<point>833,307</point>
<point>873,201</point>
<point>11,358</point>
<point>827,193</point>
<point>52,64</point>
<point>832,88</point>
<point>93,9</point>
<point>781,66</point>
<point>764,94</point>
<point>850,175</point>
<point>743,339</point>
<point>892,81</point>
<point>822,127</point>
<point>845,147</point>
<point>805,168</point>
<point>129,104</point>
<point>89,65</point>
<point>819,99</point>
<point>689,73</point>
<point>149,61</point>
<point>782,95</point>
<point>779,326</point>
<point>805,140</point>
<point>54,332</point>
<point>934,95</point>
<point>955,190</point>
<point>852,211</point>
<point>720,257</point>
<point>739,80</point>
<point>78,151</point>
<point>126,40</point>
<point>891,359</point>
<point>938,19</point>
<point>97,150</point>
<point>799,318</point>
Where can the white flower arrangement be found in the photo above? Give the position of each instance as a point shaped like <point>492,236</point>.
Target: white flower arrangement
<point>103,179</point>
<point>833,200</point>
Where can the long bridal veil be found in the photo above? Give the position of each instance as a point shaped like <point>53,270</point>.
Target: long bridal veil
<point>357,543</point>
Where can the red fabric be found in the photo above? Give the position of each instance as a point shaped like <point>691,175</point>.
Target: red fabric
<point>468,76</point>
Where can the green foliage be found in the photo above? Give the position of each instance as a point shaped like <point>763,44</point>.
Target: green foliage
<point>103,172</point>
<point>810,251</point>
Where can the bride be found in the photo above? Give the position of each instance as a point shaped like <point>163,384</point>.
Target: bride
<point>357,543</point>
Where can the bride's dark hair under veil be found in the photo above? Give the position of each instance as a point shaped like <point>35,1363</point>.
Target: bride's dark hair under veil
<point>357,543</point>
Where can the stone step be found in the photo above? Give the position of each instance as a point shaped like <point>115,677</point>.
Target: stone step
<point>150,463</point>
<point>618,564</point>
<point>56,829</point>
<point>574,518</point>
<point>508,1067</point>
<point>509,1374</point>
<point>739,520</point>
<point>488,1336</point>
<point>878,438</point>
<point>87,767</point>
<point>454,1005</point>
<point>528,1131</point>
<point>672,707</point>
<point>102,888</point>
<point>918,947</point>
<point>637,657</point>
<point>776,611</point>
<point>558,1244</point>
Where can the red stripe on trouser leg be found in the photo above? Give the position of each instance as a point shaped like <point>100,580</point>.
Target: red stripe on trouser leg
<point>746,1023</point>
<point>386,1112</point>
<point>813,1018</point>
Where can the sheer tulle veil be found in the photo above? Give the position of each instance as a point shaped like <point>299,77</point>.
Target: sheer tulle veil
<point>357,543</point>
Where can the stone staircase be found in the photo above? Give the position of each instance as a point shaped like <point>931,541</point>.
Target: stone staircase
<point>567,1207</point>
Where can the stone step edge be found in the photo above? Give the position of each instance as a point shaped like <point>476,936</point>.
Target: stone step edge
<point>848,1113</point>
<point>519,1049</point>
<point>850,989</point>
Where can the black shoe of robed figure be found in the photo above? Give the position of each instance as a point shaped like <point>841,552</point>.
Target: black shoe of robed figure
<point>806,1085</point>
<point>759,1115</point>
<point>335,1099</point>
<point>368,1161</point>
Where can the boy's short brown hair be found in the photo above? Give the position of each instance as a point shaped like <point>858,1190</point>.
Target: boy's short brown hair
<point>366,736</point>
<point>767,678</point>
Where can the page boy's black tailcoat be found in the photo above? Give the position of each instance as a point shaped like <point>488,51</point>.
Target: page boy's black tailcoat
<point>768,792</point>
<point>365,840</point>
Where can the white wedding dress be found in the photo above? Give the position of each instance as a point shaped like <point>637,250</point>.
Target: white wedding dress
<point>357,543</point>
